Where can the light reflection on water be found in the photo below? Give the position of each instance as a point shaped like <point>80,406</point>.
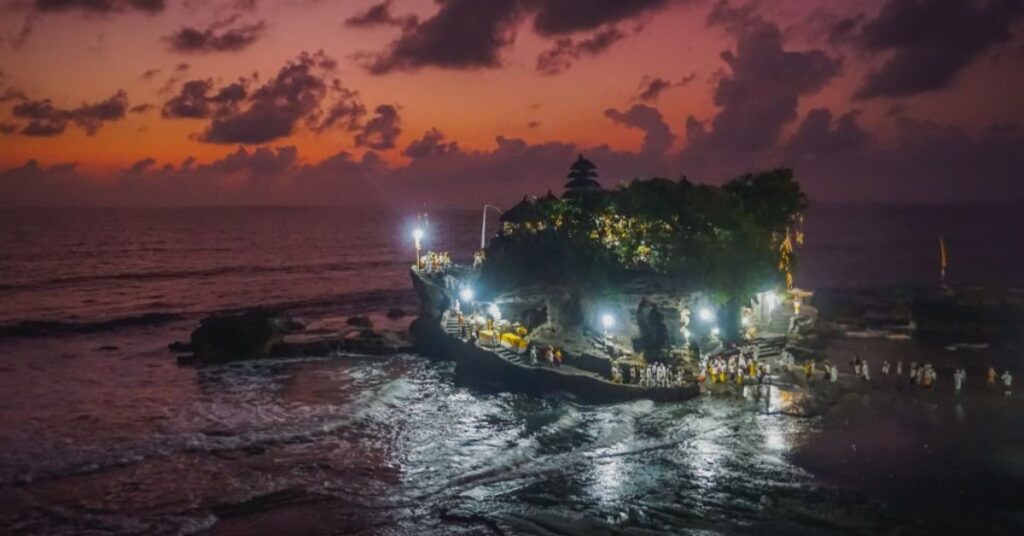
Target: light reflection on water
<point>397,442</point>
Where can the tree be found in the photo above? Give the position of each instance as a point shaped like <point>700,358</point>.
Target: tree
<point>582,177</point>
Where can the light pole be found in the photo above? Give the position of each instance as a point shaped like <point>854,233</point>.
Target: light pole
<point>607,321</point>
<point>483,226</point>
<point>417,235</point>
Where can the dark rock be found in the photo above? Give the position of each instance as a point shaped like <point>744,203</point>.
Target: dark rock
<point>359,321</point>
<point>396,312</point>
<point>180,347</point>
<point>248,335</point>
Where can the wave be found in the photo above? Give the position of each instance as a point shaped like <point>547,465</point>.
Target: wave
<point>346,303</point>
<point>204,272</point>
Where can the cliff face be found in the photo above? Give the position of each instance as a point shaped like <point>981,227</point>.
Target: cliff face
<point>434,300</point>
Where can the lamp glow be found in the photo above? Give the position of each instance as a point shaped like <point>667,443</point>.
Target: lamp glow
<point>706,314</point>
<point>417,234</point>
<point>771,299</point>
<point>494,311</point>
<point>466,294</point>
<point>608,321</point>
<point>715,331</point>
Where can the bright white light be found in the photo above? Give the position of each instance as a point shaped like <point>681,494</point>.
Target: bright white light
<point>771,299</point>
<point>494,311</point>
<point>466,294</point>
<point>417,234</point>
<point>608,321</point>
<point>745,321</point>
<point>706,314</point>
<point>715,331</point>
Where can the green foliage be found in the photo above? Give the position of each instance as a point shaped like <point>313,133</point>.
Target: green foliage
<point>724,240</point>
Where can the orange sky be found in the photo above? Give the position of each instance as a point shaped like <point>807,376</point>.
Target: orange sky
<point>72,58</point>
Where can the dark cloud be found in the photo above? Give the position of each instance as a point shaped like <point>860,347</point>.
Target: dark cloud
<point>99,6</point>
<point>347,110</point>
<point>141,108</point>
<point>559,17</point>
<point>191,102</point>
<point>380,15</point>
<point>381,131</point>
<point>925,162</point>
<point>819,136</point>
<point>12,94</point>
<point>8,128</point>
<point>928,42</point>
<point>658,136</point>
<point>651,87</point>
<point>149,74</point>
<point>46,120</point>
<point>463,34</point>
<point>759,93</point>
<point>273,110</point>
<point>140,166</point>
<point>431,144</point>
<point>220,36</point>
<point>566,51</point>
<point>533,124</point>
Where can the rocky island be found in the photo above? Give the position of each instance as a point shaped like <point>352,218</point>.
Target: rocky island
<point>625,293</point>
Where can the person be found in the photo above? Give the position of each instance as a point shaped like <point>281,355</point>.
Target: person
<point>958,380</point>
<point>1007,382</point>
<point>632,374</point>
<point>833,374</point>
<point>913,372</point>
<point>928,376</point>
<point>991,381</point>
<point>856,366</point>
<point>899,368</point>
<point>558,358</point>
<point>826,370</point>
<point>533,354</point>
<point>885,368</point>
<point>808,369</point>
<point>865,372</point>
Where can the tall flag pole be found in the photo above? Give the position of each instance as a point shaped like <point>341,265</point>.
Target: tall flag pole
<point>942,260</point>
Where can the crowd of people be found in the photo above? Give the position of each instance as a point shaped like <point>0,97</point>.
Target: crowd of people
<point>652,375</point>
<point>433,262</point>
<point>924,376</point>
<point>738,367</point>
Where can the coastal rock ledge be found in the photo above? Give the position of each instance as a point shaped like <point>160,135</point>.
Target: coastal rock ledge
<point>259,334</point>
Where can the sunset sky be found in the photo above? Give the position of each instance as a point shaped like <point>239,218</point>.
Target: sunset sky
<point>458,102</point>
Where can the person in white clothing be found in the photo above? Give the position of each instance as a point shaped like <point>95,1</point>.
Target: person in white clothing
<point>1007,382</point>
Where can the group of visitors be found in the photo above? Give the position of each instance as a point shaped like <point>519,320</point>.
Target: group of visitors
<point>924,376</point>
<point>736,367</point>
<point>548,355</point>
<point>655,375</point>
<point>433,262</point>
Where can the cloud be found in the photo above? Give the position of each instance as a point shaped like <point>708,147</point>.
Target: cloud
<point>149,74</point>
<point>99,6</point>
<point>533,124</point>
<point>757,96</point>
<point>652,87</point>
<point>274,110</point>
<point>431,144</point>
<point>560,17</point>
<point>925,162</point>
<point>928,42</point>
<point>559,58</point>
<point>46,120</point>
<point>347,110</point>
<point>141,108</point>
<point>658,136</point>
<point>380,15</point>
<point>463,34</point>
<point>220,36</point>
<point>381,131</point>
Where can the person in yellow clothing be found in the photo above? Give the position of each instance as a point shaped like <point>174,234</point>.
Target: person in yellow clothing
<point>753,368</point>
<point>739,379</point>
<point>991,377</point>
<point>723,376</point>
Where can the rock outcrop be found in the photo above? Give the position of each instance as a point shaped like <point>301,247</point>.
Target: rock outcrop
<point>231,337</point>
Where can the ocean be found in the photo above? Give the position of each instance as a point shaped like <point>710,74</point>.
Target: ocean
<point>101,432</point>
